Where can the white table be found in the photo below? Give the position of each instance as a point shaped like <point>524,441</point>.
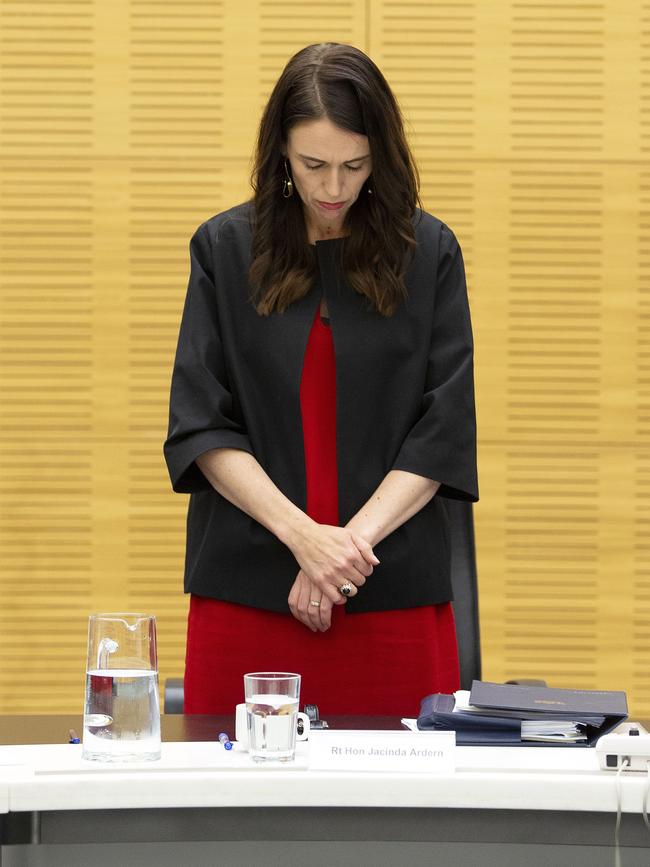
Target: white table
<point>202,805</point>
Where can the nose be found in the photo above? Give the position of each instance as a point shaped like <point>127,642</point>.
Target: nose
<point>334,185</point>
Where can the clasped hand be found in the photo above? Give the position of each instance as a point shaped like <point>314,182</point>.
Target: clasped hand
<point>329,558</point>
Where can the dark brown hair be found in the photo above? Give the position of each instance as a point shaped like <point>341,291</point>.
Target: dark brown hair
<point>343,84</point>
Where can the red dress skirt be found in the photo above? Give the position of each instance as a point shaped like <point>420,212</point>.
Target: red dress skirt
<point>375,663</point>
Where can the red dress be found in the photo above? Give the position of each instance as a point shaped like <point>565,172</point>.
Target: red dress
<point>375,663</point>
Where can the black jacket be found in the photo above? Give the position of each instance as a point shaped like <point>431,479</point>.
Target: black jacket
<point>404,398</point>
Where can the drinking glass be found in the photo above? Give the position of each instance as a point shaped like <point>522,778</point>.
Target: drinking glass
<point>122,707</point>
<point>272,699</point>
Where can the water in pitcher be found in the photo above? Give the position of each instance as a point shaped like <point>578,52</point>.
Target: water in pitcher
<point>122,719</point>
<point>272,726</point>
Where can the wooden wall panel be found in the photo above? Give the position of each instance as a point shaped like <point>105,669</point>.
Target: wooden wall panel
<point>124,125</point>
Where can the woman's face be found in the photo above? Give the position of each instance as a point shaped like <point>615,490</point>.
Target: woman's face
<point>328,165</point>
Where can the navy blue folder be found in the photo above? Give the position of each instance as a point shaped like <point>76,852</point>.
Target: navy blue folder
<point>599,711</point>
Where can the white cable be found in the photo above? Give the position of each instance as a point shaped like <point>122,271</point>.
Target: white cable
<point>646,792</point>
<point>617,852</point>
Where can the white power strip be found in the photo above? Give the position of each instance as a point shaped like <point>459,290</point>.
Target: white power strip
<point>631,742</point>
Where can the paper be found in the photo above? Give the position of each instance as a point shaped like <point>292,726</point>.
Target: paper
<point>547,729</point>
<point>397,751</point>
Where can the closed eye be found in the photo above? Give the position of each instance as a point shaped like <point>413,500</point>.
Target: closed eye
<point>351,168</point>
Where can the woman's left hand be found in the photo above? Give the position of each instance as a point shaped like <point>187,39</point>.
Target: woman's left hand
<point>318,618</point>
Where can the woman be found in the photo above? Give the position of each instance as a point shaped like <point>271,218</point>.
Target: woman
<point>322,406</point>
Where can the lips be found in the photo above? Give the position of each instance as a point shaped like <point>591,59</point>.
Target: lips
<point>332,206</point>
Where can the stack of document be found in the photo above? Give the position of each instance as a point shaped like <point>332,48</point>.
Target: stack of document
<point>533,728</point>
<point>515,715</point>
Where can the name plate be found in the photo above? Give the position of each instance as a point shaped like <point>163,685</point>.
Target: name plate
<point>404,752</point>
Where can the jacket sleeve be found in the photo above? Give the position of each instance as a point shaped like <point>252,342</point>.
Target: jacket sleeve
<point>201,413</point>
<point>441,445</point>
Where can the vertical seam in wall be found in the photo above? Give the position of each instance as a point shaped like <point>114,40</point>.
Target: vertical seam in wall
<point>366,41</point>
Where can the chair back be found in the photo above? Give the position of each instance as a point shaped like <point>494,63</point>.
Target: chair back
<point>464,584</point>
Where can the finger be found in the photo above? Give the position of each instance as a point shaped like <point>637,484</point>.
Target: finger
<point>362,566</point>
<point>321,611</point>
<point>330,590</point>
<point>325,614</point>
<point>353,576</point>
<point>356,569</point>
<point>350,587</point>
<point>313,614</point>
<point>294,595</point>
<point>293,598</point>
<point>315,603</point>
<point>302,618</point>
<point>298,614</point>
<point>365,549</point>
<point>304,607</point>
<point>355,564</point>
<point>299,592</point>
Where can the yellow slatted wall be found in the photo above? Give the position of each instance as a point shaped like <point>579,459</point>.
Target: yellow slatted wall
<point>124,125</point>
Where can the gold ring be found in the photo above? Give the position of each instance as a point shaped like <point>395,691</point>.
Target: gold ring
<point>314,603</point>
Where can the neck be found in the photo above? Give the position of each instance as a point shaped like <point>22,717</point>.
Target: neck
<point>325,232</point>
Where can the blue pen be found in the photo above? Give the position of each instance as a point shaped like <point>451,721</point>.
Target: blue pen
<point>225,740</point>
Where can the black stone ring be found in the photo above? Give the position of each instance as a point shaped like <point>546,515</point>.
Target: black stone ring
<point>345,589</point>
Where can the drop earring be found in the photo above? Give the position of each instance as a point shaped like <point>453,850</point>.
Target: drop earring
<point>287,186</point>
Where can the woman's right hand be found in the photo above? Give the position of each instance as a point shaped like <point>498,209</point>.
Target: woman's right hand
<point>331,556</point>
